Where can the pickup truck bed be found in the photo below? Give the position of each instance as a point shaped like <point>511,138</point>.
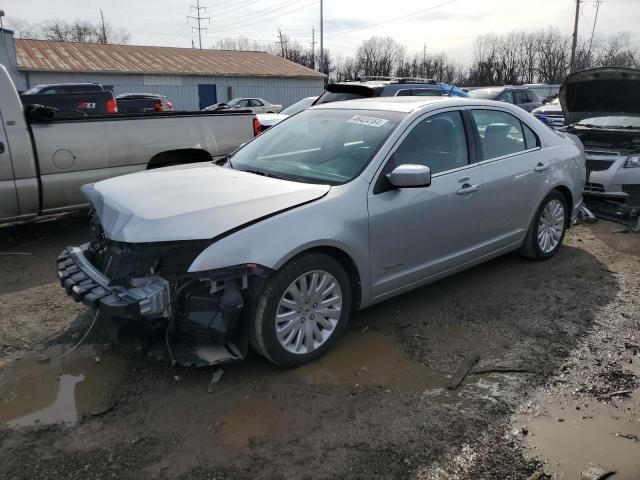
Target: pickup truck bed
<point>44,162</point>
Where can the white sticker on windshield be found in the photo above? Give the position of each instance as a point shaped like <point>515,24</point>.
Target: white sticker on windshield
<point>369,121</point>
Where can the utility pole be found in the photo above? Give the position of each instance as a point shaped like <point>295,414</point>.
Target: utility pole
<point>198,18</point>
<point>593,31</point>
<point>574,45</point>
<point>321,37</point>
<point>104,30</point>
<point>283,42</point>
<point>424,60</point>
<point>313,48</point>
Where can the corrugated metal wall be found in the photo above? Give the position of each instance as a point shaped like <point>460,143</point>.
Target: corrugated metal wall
<point>183,90</point>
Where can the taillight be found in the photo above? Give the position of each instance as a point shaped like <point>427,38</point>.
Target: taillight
<point>158,107</point>
<point>170,106</point>
<point>257,127</point>
<point>112,106</point>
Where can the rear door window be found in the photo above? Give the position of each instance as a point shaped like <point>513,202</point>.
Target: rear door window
<point>519,98</point>
<point>438,142</point>
<point>500,133</point>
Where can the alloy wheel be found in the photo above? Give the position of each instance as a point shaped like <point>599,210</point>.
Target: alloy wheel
<point>308,312</point>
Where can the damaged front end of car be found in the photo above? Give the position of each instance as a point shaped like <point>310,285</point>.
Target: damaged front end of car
<point>193,319</point>
<point>602,108</point>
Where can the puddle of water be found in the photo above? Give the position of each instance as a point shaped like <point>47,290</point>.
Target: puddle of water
<point>370,358</point>
<point>571,445</point>
<point>254,420</point>
<point>60,390</point>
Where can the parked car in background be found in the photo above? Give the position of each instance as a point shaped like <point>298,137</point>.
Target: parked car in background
<point>88,102</point>
<point>602,107</point>
<point>268,120</point>
<point>299,106</point>
<point>256,105</point>
<point>550,114</point>
<point>523,97</point>
<point>390,87</point>
<point>341,206</point>
<point>65,88</point>
<point>143,103</point>
<point>47,155</point>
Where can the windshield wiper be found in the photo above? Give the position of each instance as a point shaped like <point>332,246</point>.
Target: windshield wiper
<point>263,173</point>
<point>224,161</point>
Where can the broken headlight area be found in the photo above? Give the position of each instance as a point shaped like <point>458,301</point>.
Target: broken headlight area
<point>144,291</point>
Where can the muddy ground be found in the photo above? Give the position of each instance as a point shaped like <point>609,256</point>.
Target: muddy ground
<point>553,395</point>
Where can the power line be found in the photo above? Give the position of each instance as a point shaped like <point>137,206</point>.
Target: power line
<point>199,19</point>
<point>270,15</point>
<point>417,12</point>
<point>593,31</point>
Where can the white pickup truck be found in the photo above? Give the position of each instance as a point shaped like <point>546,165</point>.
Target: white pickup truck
<point>45,158</point>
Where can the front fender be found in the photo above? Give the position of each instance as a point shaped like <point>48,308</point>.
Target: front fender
<point>339,220</point>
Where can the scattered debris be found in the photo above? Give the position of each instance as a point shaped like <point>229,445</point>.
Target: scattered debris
<point>102,409</point>
<point>464,368</point>
<point>629,436</point>
<point>177,378</point>
<point>364,330</point>
<point>500,369</point>
<point>618,393</point>
<point>356,389</point>
<point>560,419</point>
<point>537,476</point>
<point>215,379</point>
<point>43,359</point>
<point>97,359</point>
<point>362,370</point>
<point>596,472</point>
<point>402,326</point>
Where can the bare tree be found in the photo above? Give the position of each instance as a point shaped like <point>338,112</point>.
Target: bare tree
<point>62,31</point>
<point>240,43</point>
<point>380,56</point>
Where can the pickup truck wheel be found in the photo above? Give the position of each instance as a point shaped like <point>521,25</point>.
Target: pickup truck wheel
<point>548,228</point>
<point>302,310</point>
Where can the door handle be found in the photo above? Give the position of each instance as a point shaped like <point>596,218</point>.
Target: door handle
<point>541,167</point>
<point>1,147</point>
<point>466,189</point>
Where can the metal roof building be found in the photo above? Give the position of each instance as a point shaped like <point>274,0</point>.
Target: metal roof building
<point>191,79</point>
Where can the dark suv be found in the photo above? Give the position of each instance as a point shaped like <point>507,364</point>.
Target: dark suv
<point>336,92</point>
<point>521,96</point>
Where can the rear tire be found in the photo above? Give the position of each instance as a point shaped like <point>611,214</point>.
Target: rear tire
<point>547,229</point>
<point>301,310</point>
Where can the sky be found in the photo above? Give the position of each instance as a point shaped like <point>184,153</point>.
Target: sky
<point>442,25</point>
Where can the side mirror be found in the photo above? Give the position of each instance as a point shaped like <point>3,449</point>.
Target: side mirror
<point>410,176</point>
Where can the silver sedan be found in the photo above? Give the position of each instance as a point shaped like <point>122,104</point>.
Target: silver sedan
<point>340,207</point>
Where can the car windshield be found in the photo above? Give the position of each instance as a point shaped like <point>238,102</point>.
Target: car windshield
<point>485,93</point>
<point>614,121</point>
<point>318,146</point>
<point>298,106</point>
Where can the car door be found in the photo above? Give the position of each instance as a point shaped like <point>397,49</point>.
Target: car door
<point>515,173</point>
<point>8,194</point>
<point>416,233</point>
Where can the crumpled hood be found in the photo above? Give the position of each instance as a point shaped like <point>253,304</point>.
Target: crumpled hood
<point>601,92</point>
<point>190,202</point>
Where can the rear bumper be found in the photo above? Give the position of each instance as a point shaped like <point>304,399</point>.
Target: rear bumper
<point>145,297</point>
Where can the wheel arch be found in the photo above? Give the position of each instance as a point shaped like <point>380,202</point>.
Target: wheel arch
<point>345,260</point>
<point>568,196</point>
<point>179,156</point>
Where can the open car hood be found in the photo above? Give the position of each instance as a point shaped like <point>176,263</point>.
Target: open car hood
<point>601,92</point>
<point>191,202</point>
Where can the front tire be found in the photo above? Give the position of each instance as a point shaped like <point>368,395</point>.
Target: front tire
<point>547,229</point>
<point>302,310</point>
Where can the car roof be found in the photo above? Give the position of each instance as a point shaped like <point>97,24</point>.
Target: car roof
<point>410,104</point>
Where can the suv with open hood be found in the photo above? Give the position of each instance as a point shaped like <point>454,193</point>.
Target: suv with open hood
<point>602,107</point>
